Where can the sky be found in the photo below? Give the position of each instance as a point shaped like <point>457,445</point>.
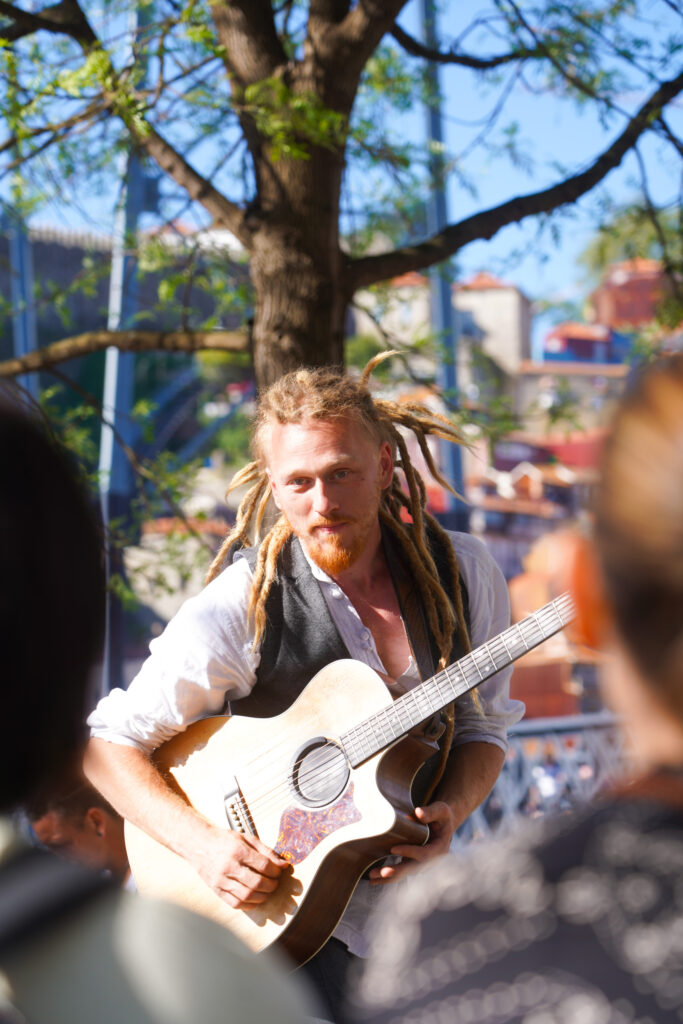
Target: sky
<point>550,131</point>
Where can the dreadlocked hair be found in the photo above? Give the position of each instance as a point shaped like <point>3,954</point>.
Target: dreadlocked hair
<point>326,394</point>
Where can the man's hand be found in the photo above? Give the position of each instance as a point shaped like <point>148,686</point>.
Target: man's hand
<point>242,870</point>
<point>471,771</point>
<point>442,825</point>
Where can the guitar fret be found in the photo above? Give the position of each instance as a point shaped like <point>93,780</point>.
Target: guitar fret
<point>473,659</point>
<point>491,658</point>
<point>455,686</point>
<point>388,721</point>
<point>521,637</point>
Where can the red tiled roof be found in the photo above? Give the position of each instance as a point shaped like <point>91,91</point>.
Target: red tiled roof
<point>574,329</point>
<point>635,266</point>
<point>572,369</point>
<point>174,524</point>
<point>410,280</point>
<point>482,281</point>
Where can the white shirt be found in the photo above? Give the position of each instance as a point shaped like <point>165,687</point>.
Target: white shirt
<point>205,658</point>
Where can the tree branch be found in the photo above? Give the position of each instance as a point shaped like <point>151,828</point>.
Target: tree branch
<point>482,226</point>
<point>332,11</point>
<point>125,341</point>
<point>417,49</point>
<point>671,266</point>
<point>673,139</point>
<point>544,51</point>
<point>64,18</point>
<point>225,213</point>
<point>57,128</point>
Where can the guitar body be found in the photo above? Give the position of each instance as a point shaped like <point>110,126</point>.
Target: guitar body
<point>287,781</point>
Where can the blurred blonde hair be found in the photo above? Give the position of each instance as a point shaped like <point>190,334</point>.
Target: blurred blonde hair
<point>639,526</point>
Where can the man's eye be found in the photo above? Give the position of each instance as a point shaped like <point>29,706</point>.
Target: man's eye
<point>341,474</point>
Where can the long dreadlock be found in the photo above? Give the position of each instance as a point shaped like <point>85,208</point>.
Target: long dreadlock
<point>326,394</point>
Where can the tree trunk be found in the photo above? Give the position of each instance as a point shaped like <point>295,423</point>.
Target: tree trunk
<point>297,266</point>
<point>299,315</point>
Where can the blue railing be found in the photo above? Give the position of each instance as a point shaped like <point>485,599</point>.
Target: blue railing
<point>552,764</point>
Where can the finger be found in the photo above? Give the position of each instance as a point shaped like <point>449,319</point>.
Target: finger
<point>238,896</point>
<point>380,876</point>
<point>392,873</point>
<point>246,886</point>
<point>253,880</point>
<point>262,859</point>
<point>438,812</point>
<point>413,853</point>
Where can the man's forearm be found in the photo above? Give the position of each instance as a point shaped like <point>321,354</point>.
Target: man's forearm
<point>470,775</point>
<point>134,787</point>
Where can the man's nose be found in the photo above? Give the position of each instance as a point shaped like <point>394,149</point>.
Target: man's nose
<point>323,499</point>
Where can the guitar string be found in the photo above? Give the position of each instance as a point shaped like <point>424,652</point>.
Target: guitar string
<point>325,769</point>
<point>497,644</point>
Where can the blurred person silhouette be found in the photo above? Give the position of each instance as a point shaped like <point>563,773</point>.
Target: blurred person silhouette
<point>73,820</point>
<point>578,920</point>
<point>74,948</point>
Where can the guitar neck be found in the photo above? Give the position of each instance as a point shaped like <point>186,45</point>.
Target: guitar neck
<point>417,705</point>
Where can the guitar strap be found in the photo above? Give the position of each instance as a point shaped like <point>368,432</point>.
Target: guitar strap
<point>441,726</point>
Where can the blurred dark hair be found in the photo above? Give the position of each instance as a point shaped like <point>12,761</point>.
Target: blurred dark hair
<point>71,796</point>
<point>639,526</point>
<point>51,605</point>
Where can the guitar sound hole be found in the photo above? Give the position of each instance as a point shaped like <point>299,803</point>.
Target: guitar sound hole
<point>320,772</point>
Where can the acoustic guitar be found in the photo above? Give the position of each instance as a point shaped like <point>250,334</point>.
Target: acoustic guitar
<point>326,784</point>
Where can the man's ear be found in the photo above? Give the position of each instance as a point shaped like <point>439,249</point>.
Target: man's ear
<point>273,489</point>
<point>96,820</point>
<point>593,623</point>
<point>386,465</point>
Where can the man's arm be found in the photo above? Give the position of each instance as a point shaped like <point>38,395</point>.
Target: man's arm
<point>240,869</point>
<point>471,772</point>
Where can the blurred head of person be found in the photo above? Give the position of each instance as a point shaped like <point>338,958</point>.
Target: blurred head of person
<point>74,821</point>
<point>51,605</point>
<point>629,588</point>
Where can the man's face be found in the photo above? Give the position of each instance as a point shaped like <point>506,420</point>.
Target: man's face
<point>82,842</point>
<point>327,477</point>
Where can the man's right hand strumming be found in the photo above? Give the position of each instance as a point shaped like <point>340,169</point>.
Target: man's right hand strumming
<point>242,870</point>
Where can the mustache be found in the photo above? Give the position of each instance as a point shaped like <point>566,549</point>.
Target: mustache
<point>331,519</point>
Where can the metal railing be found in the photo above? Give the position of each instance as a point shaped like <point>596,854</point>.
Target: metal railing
<point>552,764</point>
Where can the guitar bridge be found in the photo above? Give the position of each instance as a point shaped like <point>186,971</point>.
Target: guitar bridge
<point>237,812</point>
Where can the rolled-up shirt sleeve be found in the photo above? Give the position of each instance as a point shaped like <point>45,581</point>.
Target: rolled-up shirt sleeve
<point>203,659</point>
<point>489,604</point>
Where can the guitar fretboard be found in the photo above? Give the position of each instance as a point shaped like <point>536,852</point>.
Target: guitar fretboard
<point>417,705</point>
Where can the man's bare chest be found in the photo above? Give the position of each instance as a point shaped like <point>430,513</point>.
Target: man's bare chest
<point>381,614</point>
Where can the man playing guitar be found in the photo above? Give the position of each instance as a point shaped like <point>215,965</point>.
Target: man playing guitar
<point>322,584</point>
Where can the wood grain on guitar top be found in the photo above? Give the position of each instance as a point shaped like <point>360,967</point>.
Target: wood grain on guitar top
<point>330,846</point>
